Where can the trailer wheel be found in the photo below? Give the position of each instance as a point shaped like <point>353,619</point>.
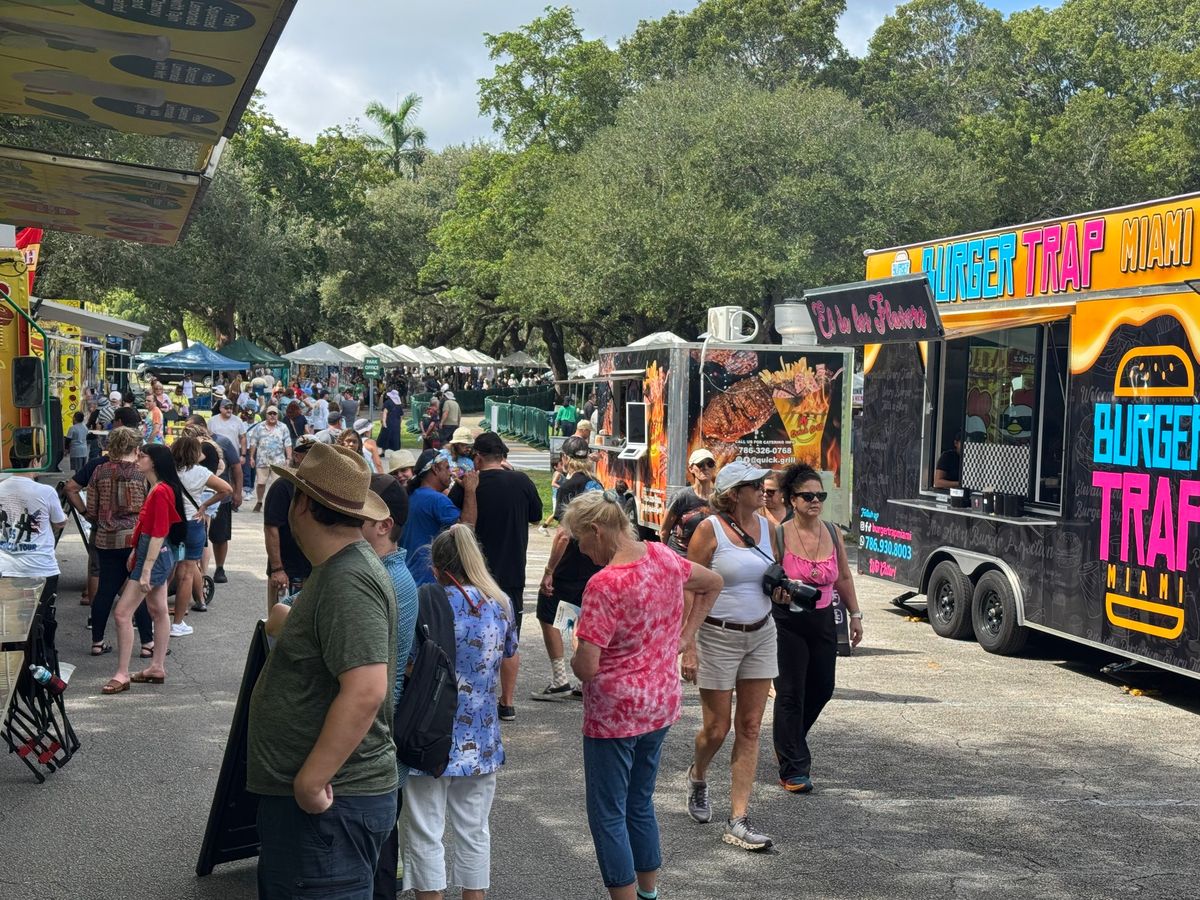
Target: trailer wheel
<point>949,601</point>
<point>994,615</point>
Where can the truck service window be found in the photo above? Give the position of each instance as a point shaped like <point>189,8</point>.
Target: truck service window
<point>1004,390</point>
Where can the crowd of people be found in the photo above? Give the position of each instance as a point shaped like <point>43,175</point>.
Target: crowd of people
<point>368,546</point>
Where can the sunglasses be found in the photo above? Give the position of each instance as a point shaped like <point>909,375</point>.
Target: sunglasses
<point>770,492</point>
<point>706,464</point>
<point>810,496</point>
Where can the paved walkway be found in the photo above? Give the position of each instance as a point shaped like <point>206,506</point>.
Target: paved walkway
<point>942,772</point>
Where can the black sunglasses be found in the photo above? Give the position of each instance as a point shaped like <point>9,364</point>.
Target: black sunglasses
<point>810,496</point>
<point>705,464</point>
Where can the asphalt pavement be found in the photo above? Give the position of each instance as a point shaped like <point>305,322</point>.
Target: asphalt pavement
<point>941,772</point>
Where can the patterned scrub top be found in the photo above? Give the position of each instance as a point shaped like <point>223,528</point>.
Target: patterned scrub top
<point>483,638</point>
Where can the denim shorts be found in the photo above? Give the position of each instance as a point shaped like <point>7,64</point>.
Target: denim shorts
<point>160,573</point>
<point>197,537</point>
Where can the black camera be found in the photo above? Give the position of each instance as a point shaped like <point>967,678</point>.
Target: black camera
<point>803,596</point>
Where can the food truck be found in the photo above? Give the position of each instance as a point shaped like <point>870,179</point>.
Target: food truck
<point>1052,369</point>
<point>51,353</point>
<point>766,404</point>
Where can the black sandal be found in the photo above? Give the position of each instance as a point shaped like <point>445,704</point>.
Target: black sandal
<point>100,648</point>
<point>148,651</point>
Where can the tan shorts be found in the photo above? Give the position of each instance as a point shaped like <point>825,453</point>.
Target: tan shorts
<point>727,657</point>
<point>265,476</point>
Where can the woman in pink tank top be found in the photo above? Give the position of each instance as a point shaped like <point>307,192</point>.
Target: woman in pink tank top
<point>812,552</point>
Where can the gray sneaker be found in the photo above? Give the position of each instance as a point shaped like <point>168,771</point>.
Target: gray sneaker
<point>741,833</point>
<point>697,799</point>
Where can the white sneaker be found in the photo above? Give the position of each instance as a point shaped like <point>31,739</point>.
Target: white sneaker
<point>542,530</point>
<point>181,629</point>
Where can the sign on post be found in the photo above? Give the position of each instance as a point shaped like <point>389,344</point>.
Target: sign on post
<point>886,311</point>
<point>371,367</point>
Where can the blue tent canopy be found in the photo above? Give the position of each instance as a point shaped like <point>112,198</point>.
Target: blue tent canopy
<point>197,358</point>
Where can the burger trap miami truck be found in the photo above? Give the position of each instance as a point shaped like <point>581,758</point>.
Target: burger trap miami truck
<point>1048,373</point>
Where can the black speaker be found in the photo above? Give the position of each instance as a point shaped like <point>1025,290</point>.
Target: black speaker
<point>28,382</point>
<point>54,432</point>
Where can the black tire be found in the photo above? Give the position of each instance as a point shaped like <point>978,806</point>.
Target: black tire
<point>949,601</point>
<point>994,615</point>
<point>210,588</point>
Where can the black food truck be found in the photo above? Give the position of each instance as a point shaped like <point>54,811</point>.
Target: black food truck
<point>1028,450</point>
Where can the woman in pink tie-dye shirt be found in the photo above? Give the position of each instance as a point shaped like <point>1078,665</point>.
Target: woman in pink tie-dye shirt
<point>630,630</point>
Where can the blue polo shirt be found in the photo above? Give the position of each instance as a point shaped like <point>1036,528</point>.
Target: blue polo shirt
<point>430,513</point>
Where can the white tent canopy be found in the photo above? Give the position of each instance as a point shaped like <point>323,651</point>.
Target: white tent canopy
<point>406,355</point>
<point>426,357</point>
<point>591,370</point>
<point>657,339</point>
<point>358,350</point>
<point>386,355</point>
<point>321,354</point>
<point>463,356</point>
<point>445,356</point>
<point>482,359</point>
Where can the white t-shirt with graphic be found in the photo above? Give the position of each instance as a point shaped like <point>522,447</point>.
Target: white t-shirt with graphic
<point>27,510</point>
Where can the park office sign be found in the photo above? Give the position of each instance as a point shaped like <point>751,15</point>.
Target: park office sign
<point>372,367</point>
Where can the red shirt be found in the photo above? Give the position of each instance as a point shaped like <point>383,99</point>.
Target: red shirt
<point>158,513</point>
<point>634,613</point>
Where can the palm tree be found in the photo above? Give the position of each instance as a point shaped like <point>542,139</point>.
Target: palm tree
<point>403,143</point>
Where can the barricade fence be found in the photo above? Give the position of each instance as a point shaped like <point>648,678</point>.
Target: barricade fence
<point>527,420</point>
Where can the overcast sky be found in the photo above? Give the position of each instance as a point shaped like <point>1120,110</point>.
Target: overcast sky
<point>329,65</point>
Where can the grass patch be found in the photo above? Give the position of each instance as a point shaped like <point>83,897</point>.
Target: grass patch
<point>541,481</point>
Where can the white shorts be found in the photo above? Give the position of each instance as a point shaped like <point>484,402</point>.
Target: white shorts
<point>727,657</point>
<point>430,804</point>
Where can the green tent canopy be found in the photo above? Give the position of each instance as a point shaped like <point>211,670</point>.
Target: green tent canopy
<point>249,352</point>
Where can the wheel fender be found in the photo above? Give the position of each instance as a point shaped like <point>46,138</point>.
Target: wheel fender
<point>973,565</point>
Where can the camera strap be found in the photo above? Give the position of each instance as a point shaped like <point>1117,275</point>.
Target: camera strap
<point>746,539</point>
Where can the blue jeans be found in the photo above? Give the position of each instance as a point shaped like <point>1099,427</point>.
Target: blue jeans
<point>331,856</point>
<point>620,775</point>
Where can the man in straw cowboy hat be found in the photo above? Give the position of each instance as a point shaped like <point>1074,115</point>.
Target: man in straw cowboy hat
<point>320,739</point>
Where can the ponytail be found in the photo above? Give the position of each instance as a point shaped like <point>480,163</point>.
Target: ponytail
<point>456,552</point>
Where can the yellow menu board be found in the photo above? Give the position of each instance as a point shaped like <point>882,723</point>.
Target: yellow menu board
<point>172,68</point>
<point>102,199</point>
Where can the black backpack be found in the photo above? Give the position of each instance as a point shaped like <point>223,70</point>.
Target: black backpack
<point>424,719</point>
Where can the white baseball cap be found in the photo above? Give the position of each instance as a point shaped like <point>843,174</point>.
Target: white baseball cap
<point>699,456</point>
<point>115,396</point>
<point>737,473</point>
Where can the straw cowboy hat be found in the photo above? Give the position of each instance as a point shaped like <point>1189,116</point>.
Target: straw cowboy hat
<point>337,477</point>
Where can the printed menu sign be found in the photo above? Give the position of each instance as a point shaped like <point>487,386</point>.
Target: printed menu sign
<point>887,311</point>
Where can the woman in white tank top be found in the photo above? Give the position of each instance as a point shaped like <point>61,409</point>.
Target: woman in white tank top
<point>735,646</point>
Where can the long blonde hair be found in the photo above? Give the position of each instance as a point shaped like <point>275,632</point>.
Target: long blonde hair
<point>456,552</point>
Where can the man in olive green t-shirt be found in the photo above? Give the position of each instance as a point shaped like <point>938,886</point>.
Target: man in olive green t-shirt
<point>321,754</point>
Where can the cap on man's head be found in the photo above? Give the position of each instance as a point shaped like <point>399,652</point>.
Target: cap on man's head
<point>576,448</point>
<point>226,404</point>
<point>392,493</point>
<point>699,456</point>
<point>115,396</point>
<point>335,415</point>
<point>736,473</point>
<point>490,444</point>
<point>272,409</point>
<point>425,462</point>
<point>449,395</point>
<point>304,443</point>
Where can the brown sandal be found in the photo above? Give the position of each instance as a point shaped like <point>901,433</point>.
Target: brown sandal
<point>115,687</point>
<point>143,678</point>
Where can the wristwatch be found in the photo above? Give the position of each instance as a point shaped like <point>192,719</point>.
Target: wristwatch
<point>271,572</point>
<point>856,615</point>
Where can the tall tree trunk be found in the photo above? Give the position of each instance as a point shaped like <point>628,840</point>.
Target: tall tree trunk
<point>552,334</point>
<point>179,327</point>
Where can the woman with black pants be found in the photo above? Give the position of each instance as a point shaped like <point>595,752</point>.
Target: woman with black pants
<point>811,551</point>
<point>115,494</point>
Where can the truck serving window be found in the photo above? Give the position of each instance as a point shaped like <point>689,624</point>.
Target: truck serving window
<point>1001,396</point>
